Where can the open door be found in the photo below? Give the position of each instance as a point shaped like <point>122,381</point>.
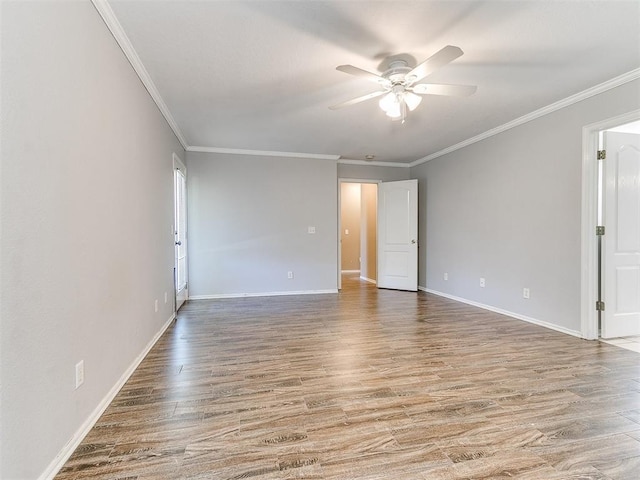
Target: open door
<point>621,241</point>
<point>180,228</point>
<point>398,235</point>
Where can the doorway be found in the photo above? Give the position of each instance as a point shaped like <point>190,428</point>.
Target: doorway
<point>358,211</point>
<point>181,286</point>
<point>378,232</point>
<point>610,287</point>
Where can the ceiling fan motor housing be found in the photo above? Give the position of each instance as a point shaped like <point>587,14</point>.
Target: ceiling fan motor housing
<point>397,72</point>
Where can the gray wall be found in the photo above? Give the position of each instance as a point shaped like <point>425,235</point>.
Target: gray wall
<point>86,215</point>
<point>372,172</point>
<point>508,209</point>
<point>248,224</point>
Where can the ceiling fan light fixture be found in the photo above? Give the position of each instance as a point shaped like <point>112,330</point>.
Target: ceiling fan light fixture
<point>389,101</point>
<point>394,111</point>
<point>412,100</point>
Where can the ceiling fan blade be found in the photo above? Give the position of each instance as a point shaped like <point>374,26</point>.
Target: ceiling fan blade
<point>358,72</point>
<point>357,100</point>
<point>440,89</point>
<point>434,62</point>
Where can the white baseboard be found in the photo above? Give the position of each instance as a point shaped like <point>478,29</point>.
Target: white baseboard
<point>260,294</point>
<point>517,316</point>
<point>64,454</point>
<point>370,280</point>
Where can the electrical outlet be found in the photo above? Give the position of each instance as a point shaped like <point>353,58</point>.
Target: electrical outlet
<point>446,276</point>
<point>155,305</point>
<point>311,229</point>
<point>289,275</point>
<point>482,282</point>
<point>79,373</point>
<point>526,293</point>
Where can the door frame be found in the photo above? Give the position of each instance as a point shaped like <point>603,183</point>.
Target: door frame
<point>340,182</point>
<point>589,240</point>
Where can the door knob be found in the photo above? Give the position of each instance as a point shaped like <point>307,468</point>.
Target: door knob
<point>178,243</point>
<point>413,241</point>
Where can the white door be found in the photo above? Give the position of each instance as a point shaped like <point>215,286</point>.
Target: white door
<point>621,242</point>
<point>180,222</point>
<point>398,235</point>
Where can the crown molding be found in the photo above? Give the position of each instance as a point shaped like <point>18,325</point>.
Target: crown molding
<point>578,97</point>
<point>261,153</point>
<point>313,156</point>
<point>114,26</point>
<point>366,163</point>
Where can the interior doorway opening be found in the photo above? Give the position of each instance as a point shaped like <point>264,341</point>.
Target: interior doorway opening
<point>357,239</point>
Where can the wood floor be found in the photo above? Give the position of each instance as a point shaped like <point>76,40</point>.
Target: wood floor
<point>367,384</point>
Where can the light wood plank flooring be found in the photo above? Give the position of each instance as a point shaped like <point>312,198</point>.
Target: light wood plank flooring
<point>367,384</point>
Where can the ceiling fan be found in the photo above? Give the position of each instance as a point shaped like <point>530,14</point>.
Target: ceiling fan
<point>399,82</point>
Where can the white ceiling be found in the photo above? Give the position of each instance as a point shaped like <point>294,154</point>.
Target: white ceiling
<point>260,75</point>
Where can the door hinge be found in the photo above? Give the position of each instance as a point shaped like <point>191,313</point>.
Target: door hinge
<point>602,154</point>
<point>600,306</point>
<point>600,230</point>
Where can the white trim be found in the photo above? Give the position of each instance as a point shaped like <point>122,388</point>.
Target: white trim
<point>588,241</point>
<point>261,153</point>
<point>66,452</point>
<point>114,26</point>
<point>349,271</point>
<point>517,316</point>
<point>260,294</point>
<point>178,163</point>
<point>367,163</point>
<point>370,280</point>
<point>578,97</point>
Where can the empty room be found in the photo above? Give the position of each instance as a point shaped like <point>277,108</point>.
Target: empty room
<point>320,239</point>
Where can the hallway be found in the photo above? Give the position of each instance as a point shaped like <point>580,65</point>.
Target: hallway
<point>367,384</point>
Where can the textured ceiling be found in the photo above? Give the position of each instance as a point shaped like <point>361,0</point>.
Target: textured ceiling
<point>260,75</point>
